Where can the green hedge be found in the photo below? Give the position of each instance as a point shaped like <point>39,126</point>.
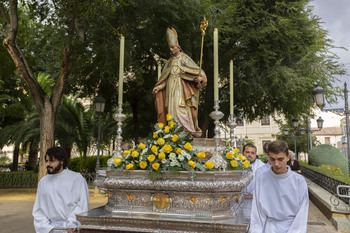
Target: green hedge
<point>341,177</point>
<point>75,164</point>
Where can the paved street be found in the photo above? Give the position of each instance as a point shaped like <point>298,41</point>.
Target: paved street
<point>16,207</point>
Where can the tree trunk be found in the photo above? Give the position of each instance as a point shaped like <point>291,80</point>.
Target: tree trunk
<point>33,156</point>
<point>47,134</point>
<point>14,166</point>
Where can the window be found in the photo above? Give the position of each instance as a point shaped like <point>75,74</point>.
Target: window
<point>327,140</point>
<point>265,121</point>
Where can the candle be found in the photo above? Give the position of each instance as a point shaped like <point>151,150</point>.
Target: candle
<point>121,70</point>
<point>216,65</point>
<point>231,88</point>
<point>159,70</point>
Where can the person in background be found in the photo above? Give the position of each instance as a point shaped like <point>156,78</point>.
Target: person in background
<point>294,164</point>
<point>267,165</point>
<point>281,198</point>
<point>249,151</point>
<point>61,195</point>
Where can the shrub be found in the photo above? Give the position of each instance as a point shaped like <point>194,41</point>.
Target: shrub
<point>328,155</point>
<point>75,164</point>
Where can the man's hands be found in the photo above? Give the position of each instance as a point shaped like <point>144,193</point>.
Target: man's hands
<point>72,230</point>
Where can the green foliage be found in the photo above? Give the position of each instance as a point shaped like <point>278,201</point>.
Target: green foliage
<point>263,158</point>
<point>328,155</point>
<point>335,175</point>
<point>4,160</point>
<point>76,164</point>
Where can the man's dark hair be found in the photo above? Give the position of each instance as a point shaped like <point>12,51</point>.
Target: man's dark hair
<point>265,146</point>
<point>58,153</point>
<point>277,147</point>
<point>250,145</point>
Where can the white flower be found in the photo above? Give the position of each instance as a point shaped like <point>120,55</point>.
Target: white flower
<point>172,163</point>
<point>181,157</point>
<point>188,156</point>
<point>172,156</point>
<point>144,151</point>
<point>168,136</point>
<point>163,160</point>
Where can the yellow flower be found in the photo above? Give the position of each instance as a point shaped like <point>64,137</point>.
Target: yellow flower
<point>151,158</point>
<point>246,164</point>
<point>229,155</point>
<point>234,163</point>
<point>172,124</point>
<point>178,151</point>
<point>201,155</point>
<point>236,150</point>
<point>167,148</point>
<point>117,161</point>
<point>154,149</point>
<point>188,146</point>
<point>168,117</point>
<point>166,129</point>
<point>132,149</point>
<point>135,154</point>
<point>191,163</point>
<point>143,164</point>
<point>160,141</point>
<point>240,157</point>
<point>175,137</point>
<point>209,165</point>
<point>160,125</point>
<point>155,135</point>
<point>155,166</point>
<point>161,155</point>
<point>126,152</point>
<point>129,166</point>
<point>142,146</point>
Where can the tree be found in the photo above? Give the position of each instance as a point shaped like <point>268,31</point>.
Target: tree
<point>69,22</point>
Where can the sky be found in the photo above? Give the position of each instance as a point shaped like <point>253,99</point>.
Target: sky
<point>335,15</point>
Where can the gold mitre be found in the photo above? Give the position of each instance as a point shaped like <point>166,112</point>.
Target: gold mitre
<point>171,37</point>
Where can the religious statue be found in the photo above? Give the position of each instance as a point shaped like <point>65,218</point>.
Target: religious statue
<point>177,91</point>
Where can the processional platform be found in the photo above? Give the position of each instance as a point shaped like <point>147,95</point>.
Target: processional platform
<point>211,202</point>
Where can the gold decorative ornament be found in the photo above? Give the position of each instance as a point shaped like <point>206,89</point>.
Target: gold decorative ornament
<point>130,196</point>
<point>236,197</point>
<point>222,199</point>
<point>160,201</point>
<point>193,199</point>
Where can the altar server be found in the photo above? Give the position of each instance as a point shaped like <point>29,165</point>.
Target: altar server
<point>249,151</point>
<point>60,196</point>
<point>281,200</point>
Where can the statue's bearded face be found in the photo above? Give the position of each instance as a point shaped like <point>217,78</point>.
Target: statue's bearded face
<point>175,49</point>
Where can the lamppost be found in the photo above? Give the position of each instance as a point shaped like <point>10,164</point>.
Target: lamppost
<point>295,124</point>
<point>241,141</point>
<point>100,107</point>
<point>346,111</point>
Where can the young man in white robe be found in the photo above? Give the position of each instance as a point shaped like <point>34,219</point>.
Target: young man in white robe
<point>281,199</point>
<point>249,151</point>
<point>61,195</point>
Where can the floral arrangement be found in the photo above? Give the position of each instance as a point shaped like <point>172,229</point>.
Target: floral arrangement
<point>169,148</point>
<point>235,160</point>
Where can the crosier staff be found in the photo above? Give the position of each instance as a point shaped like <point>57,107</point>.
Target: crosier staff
<point>204,25</point>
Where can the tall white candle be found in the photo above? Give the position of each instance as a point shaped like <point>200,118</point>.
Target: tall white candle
<point>121,70</point>
<point>231,88</point>
<point>216,65</point>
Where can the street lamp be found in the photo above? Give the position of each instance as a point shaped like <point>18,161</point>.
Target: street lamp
<point>346,111</point>
<point>319,93</point>
<point>100,107</point>
<point>295,124</point>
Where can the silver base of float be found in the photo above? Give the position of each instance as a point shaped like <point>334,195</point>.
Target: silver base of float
<point>210,203</point>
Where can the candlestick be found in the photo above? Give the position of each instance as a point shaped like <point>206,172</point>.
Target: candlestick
<point>121,70</point>
<point>231,88</point>
<point>216,65</point>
